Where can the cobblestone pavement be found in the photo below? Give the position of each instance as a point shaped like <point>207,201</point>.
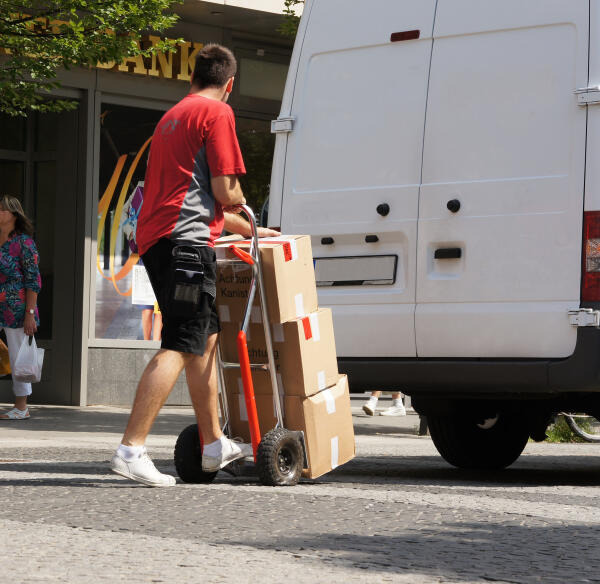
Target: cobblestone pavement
<point>397,513</point>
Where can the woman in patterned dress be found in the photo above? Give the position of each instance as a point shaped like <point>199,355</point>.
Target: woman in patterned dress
<point>20,283</point>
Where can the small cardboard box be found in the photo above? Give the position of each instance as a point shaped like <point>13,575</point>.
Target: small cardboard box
<point>326,419</point>
<point>304,351</point>
<point>288,274</point>
<point>238,416</point>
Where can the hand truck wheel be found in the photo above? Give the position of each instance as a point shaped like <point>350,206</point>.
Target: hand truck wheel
<point>188,457</point>
<point>279,459</point>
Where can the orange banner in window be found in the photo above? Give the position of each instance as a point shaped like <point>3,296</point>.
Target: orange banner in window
<point>104,206</point>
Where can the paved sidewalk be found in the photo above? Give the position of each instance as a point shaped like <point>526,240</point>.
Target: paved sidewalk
<point>396,513</point>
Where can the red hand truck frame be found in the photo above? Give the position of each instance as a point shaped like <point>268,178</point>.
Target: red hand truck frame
<point>279,455</point>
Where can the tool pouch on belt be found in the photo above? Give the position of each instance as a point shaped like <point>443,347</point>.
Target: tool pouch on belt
<point>187,282</point>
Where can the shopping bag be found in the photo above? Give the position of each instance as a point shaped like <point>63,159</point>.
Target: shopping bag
<point>29,361</point>
<point>4,361</point>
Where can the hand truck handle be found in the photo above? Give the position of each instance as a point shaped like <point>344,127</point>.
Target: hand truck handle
<point>242,255</point>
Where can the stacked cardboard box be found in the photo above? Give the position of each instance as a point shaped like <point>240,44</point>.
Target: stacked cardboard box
<point>314,397</point>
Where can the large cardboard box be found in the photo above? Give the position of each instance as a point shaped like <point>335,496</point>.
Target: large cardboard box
<point>288,275</point>
<point>326,419</point>
<point>238,416</point>
<point>304,351</point>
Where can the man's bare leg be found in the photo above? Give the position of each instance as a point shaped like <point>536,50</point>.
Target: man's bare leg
<point>201,375</point>
<point>154,387</point>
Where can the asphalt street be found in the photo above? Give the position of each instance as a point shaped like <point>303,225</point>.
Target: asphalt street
<point>397,513</point>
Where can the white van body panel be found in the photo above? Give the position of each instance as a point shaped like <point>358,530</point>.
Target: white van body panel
<point>359,108</point>
<point>503,135</point>
<point>592,177</point>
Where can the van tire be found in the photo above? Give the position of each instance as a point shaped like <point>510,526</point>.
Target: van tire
<point>468,441</point>
<point>188,457</point>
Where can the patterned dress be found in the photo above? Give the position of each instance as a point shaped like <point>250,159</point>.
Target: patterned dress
<point>18,272</point>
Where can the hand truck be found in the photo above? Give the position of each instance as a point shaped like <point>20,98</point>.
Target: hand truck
<point>279,455</point>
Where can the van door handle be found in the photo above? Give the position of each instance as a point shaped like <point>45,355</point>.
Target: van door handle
<point>447,253</point>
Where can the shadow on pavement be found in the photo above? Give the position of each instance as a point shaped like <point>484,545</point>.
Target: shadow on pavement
<point>80,420</point>
<point>530,470</point>
<point>454,552</point>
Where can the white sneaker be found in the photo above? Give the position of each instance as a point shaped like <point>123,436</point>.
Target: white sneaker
<point>394,411</point>
<point>230,451</point>
<point>142,470</point>
<point>369,408</point>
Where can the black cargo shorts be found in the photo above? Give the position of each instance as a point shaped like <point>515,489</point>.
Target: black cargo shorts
<point>189,334</point>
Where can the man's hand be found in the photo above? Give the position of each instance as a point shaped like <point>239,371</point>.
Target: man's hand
<point>268,232</point>
<point>236,224</point>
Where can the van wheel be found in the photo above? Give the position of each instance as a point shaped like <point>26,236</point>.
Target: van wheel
<point>479,442</point>
<point>188,457</point>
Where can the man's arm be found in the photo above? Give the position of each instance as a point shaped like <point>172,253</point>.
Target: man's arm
<point>227,190</point>
<point>236,224</point>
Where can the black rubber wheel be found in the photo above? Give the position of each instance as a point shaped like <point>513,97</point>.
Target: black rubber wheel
<point>472,441</point>
<point>279,459</point>
<point>188,457</point>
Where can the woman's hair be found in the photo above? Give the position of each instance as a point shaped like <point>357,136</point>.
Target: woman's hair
<point>22,222</point>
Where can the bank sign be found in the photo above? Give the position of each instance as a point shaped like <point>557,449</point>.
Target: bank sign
<point>175,65</point>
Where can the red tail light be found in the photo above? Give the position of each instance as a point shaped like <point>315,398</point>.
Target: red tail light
<point>590,282</point>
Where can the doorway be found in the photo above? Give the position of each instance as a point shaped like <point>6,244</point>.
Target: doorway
<point>39,165</point>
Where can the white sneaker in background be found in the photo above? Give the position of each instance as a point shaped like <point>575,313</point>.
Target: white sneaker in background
<point>142,470</point>
<point>394,411</point>
<point>230,451</point>
<point>369,408</point>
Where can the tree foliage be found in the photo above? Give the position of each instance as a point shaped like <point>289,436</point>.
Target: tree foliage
<point>39,37</point>
<point>290,23</point>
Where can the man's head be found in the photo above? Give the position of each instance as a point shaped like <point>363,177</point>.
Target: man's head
<point>215,67</point>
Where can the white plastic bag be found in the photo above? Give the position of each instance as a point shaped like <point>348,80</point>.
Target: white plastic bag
<point>29,361</point>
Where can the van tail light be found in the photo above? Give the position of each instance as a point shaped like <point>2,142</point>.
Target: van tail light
<point>590,282</point>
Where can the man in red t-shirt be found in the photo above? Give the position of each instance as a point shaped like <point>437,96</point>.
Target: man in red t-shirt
<point>191,182</point>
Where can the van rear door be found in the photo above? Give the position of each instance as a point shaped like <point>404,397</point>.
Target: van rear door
<point>500,219</point>
<point>353,164</point>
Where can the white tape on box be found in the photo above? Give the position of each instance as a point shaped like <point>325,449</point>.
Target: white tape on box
<point>314,325</point>
<point>294,249</point>
<point>329,401</point>
<point>321,381</point>
<point>278,336</point>
<point>255,314</point>
<point>335,452</point>
<point>299,301</point>
<point>224,314</point>
<point>243,412</point>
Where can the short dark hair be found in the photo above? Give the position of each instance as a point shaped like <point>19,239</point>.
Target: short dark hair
<point>215,64</point>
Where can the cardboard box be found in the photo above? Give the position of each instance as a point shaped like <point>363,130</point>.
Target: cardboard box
<point>326,419</point>
<point>288,275</point>
<point>304,351</point>
<point>238,416</point>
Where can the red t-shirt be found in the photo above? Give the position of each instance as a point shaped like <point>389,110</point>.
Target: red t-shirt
<point>193,141</point>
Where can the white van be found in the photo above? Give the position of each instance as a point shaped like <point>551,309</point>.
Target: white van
<point>445,158</point>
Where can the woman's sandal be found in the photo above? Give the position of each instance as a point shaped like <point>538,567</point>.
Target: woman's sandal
<point>15,414</point>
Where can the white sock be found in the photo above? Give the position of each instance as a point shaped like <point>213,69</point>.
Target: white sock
<point>130,453</point>
<point>373,401</point>
<point>215,448</point>
<point>397,403</point>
